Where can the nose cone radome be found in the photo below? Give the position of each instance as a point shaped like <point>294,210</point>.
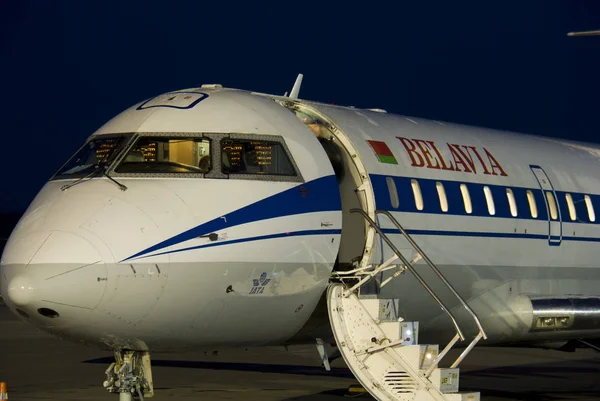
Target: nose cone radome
<point>53,269</point>
<point>20,291</point>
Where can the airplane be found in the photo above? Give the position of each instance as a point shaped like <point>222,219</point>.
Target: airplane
<point>215,217</point>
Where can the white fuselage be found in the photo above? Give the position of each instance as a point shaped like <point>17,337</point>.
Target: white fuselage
<point>139,269</point>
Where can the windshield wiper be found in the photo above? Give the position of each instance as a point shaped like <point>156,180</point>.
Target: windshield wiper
<point>122,187</point>
<point>90,175</point>
<point>100,169</point>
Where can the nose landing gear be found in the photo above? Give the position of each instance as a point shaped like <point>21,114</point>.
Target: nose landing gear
<point>130,375</point>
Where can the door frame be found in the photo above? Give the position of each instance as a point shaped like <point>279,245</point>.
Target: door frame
<point>364,188</point>
<point>546,186</point>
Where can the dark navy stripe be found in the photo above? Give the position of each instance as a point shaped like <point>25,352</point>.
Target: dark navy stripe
<point>250,239</point>
<point>483,234</point>
<point>456,206</point>
<point>472,234</point>
<point>320,195</point>
<point>323,195</point>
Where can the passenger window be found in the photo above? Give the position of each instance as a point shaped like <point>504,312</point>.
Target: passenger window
<point>417,193</point>
<point>442,195</point>
<point>552,205</point>
<point>253,157</point>
<point>157,155</point>
<point>489,200</point>
<point>512,202</point>
<point>532,204</point>
<point>590,208</point>
<point>571,205</point>
<point>393,192</point>
<point>466,198</point>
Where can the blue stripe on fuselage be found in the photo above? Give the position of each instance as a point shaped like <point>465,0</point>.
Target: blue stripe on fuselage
<point>456,205</point>
<point>323,195</point>
<point>320,195</point>
<point>258,238</point>
<point>441,233</point>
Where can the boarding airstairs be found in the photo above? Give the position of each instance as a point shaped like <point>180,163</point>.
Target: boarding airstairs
<point>382,350</point>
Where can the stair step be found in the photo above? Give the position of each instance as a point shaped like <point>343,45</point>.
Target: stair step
<point>463,396</point>
<point>445,379</point>
<point>420,357</point>
<point>382,310</point>
<point>408,332</point>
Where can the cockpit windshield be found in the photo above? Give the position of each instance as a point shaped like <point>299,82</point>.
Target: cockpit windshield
<point>166,154</point>
<point>98,152</point>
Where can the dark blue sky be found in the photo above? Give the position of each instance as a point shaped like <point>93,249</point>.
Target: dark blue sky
<point>69,66</point>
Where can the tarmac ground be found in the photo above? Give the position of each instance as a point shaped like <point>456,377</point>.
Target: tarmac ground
<point>37,366</point>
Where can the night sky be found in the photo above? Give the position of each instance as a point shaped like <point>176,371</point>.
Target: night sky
<point>68,67</point>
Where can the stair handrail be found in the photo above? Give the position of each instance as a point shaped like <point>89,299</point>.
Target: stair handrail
<point>436,270</point>
<point>410,267</point>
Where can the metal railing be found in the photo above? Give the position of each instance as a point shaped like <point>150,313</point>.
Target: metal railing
<point>409,266</point>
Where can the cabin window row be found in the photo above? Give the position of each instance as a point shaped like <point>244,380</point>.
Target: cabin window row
<point>467,204</point>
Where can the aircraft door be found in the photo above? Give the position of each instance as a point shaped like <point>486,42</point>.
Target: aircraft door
<point>357,236</point>
<point>552,207</point>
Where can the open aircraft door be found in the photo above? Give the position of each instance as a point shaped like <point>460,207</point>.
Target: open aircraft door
<point>552,208</point>
<point>355,187</point>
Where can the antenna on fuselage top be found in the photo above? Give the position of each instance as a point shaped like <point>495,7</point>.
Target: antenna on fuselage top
<point>296,89</point>
<point>584,33</point>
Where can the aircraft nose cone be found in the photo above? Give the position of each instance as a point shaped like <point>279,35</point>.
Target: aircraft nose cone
<point>20,291</point>
<point>64,269</point>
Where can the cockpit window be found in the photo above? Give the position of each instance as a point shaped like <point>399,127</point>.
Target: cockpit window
<point>175,155</point>
<point>255,157</point>
<point>98,152</point>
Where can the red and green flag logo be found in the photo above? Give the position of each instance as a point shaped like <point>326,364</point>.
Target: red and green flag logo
<point>383,152</point>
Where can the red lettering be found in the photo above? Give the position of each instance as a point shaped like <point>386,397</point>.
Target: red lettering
<point>415,157</point>
<point>485,169</point>
<point>440,157</point>
<point>466,156</point>
<point>427,154</point>
<point>494,164</point>
<point>458,159</point>
<point>421,155</point>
